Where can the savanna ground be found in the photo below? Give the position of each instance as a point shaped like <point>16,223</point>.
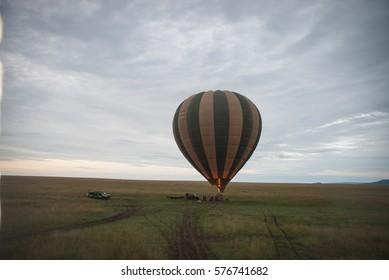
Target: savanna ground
<point>51,218</point>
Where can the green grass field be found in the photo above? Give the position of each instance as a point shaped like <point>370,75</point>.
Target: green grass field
<point>51,218</point>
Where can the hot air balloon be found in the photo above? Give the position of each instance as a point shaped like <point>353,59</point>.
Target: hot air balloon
<point>217,132</point>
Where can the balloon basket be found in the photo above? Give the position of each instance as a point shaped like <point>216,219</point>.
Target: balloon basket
<point>219,197</point>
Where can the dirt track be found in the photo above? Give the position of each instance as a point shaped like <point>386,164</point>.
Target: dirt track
<point>190,244</point>
<point>184,234</point>
<point>282,243</point>
<point>129,211</point>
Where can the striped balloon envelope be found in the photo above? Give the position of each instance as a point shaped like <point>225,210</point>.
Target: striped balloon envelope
<point>217,132</point>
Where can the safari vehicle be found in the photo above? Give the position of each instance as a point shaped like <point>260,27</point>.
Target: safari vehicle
<point>191,196</point>
<point>98,195</point>
<point>188,196</point>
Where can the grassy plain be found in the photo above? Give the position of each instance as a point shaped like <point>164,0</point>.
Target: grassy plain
<point>51,218</point>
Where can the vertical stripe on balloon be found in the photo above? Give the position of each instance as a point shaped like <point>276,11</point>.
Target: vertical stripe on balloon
<point>234,130</point>
<point>207,130</point>
<point>221,130</point>
<point>186,134</point>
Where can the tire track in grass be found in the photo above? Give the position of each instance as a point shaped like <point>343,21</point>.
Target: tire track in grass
<point>281,241</point>
<point>183,235</point>
<point>285,235</point>
<point>190,244</point>
<point>272,236</point>
<point>129,211</point>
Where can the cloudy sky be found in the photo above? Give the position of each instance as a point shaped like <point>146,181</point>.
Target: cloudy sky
<point>90,87</point>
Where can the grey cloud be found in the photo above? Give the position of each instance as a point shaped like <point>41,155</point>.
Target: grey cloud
<point>101,80</point>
